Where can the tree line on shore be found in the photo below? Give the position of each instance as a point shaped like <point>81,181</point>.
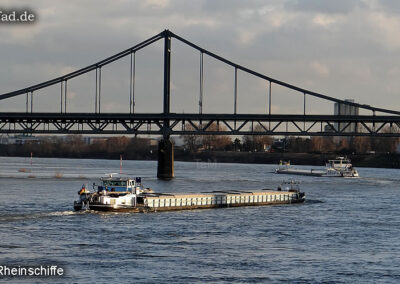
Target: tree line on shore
<point>140,148</point>
<point>76,146</point>
<point>317,144</point>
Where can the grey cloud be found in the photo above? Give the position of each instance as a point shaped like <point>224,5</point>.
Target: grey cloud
<point>323,6</point>
<point>390,6</point>
<point>280,39</point>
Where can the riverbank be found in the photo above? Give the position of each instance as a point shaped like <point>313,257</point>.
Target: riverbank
<point>358,160</point>
<point>380,160</point>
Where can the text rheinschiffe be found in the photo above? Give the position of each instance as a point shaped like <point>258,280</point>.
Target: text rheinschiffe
<point>49,270</point>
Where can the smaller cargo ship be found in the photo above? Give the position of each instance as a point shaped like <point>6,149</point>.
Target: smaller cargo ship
<point>126,194</point>
<point>340,167</point>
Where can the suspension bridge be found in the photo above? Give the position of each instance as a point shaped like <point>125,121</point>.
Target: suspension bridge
<point>379,121</point>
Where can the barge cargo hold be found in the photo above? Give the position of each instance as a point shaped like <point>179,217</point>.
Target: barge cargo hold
<point>199,201</point>
<point>124,194</point>
<point>312,172</point>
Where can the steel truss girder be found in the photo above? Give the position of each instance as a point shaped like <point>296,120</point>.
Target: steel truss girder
<point>227,124</point>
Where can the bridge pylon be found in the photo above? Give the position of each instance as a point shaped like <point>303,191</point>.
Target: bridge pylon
<point>165,168</point>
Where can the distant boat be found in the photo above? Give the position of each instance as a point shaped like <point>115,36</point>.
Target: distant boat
<point>340,167</point>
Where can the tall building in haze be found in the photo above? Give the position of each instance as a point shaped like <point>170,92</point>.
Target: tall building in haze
<point>343,109</point>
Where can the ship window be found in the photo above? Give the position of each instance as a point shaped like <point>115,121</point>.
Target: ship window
<point>115,183</point>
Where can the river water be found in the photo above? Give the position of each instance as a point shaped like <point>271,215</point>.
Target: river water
<point>348,230</point>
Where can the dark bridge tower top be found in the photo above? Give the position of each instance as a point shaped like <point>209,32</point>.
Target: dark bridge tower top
<point>167,81</point>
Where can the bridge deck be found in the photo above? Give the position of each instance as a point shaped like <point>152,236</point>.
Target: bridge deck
<point>199,124</point>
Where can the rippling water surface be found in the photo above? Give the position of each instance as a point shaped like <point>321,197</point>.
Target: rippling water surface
<point>347,231</point>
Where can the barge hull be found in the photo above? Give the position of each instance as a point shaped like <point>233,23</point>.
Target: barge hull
<point>179,208</point>
<point>302,172</point>
<point>175,202</point>
<point>204,201</point>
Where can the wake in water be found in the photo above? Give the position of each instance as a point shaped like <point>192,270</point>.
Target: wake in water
<point>36,215</point>
<point>46,175</point>
<point>379,182</point>
<point>4,218</point>
<point>313,201</point>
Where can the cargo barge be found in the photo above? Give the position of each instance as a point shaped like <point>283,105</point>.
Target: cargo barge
<point>125,194</point>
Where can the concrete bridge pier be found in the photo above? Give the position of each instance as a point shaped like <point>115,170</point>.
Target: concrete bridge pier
<point>165,169</point>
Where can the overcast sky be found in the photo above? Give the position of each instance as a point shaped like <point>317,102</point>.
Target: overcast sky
<point>342,48</point>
